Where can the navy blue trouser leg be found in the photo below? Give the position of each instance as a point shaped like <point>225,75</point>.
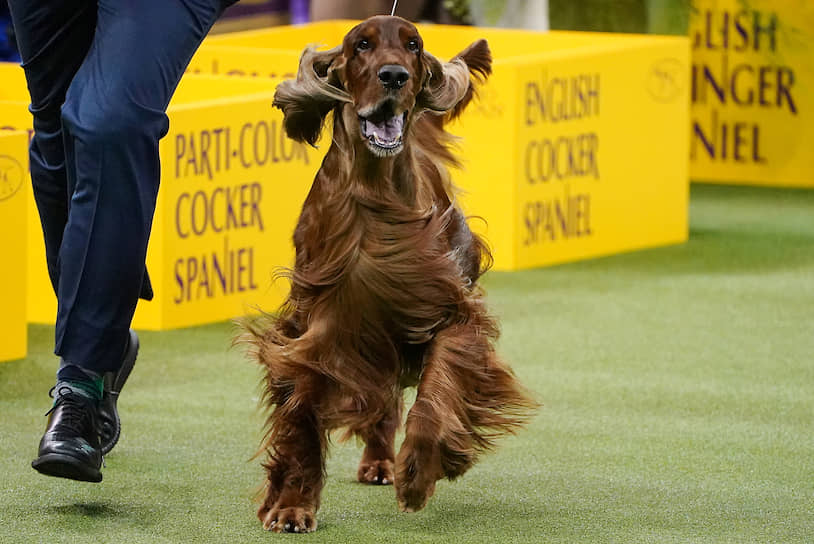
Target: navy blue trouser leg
<point>100,74</point>
<point>53,39</point>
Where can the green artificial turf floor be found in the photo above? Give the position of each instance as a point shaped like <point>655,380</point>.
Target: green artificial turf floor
<point>678,391</point>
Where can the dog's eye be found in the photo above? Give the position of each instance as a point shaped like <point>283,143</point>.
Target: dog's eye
<point>412,45</point>
<point>362,45</point>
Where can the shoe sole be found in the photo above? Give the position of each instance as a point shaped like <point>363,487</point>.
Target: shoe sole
<point>65,466</point>
<point>112,390</point>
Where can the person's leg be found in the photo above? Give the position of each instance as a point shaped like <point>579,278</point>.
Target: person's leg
<point>112,119</point>
<point>53,38</point>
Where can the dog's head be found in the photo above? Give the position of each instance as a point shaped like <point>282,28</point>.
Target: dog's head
<point>382,78</point>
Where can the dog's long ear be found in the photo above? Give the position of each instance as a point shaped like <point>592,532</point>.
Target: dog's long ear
<point>449,87</point>
<point>316,91</point>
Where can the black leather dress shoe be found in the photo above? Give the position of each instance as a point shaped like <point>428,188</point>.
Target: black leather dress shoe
<point>70,446</point>
<point>110,427</point>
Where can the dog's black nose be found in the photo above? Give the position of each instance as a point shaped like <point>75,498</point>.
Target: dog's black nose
<point>393,76</point>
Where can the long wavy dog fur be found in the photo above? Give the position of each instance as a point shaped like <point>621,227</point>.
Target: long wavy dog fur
<point>384,291</point>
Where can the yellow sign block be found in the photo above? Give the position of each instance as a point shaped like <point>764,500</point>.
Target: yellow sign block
<point>753,92</point>
<point>14,115</point>
<point>577,147</point>
<point>14,190</point>
<point>231,189</point>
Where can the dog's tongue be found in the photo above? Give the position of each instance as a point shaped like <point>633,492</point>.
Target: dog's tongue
<point>388,130</point>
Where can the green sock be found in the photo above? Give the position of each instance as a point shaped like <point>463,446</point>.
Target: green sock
<point>91,389</point>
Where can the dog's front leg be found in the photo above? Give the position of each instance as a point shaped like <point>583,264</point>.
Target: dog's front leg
<point>296,446</point>
<point>418,465</point>
<point>376,466</point>
<point>467,397</point>
<point>437,442</point>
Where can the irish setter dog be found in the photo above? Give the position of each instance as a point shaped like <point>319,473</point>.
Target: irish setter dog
<point>383,290</point>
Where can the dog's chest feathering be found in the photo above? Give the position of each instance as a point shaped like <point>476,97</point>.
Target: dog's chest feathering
<point>397,265</point>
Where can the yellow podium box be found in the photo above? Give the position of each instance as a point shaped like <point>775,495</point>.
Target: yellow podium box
<point>14,191</point>
<point>576,148</point>
<point>14,115</point>
<point>752,92</point>
<point>231,189</point>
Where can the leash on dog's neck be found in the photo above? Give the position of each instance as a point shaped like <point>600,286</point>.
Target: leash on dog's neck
<point>393,11</point>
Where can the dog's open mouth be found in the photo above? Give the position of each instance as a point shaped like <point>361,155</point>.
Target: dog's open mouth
<point>383,131</point>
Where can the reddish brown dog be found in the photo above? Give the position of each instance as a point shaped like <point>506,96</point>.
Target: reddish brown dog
<point>383,290</point>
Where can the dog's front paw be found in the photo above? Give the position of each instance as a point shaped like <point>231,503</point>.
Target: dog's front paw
<point>292,519</point>
<point>416,475</point>
<point>375,472</point>
<point>413,495</point>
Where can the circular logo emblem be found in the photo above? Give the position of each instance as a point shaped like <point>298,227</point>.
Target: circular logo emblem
<point>11,177</point>
<point>666,79</point>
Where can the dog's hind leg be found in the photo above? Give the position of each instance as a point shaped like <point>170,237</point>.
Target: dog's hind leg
<point>296,446</point>
<point>378,459</point>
